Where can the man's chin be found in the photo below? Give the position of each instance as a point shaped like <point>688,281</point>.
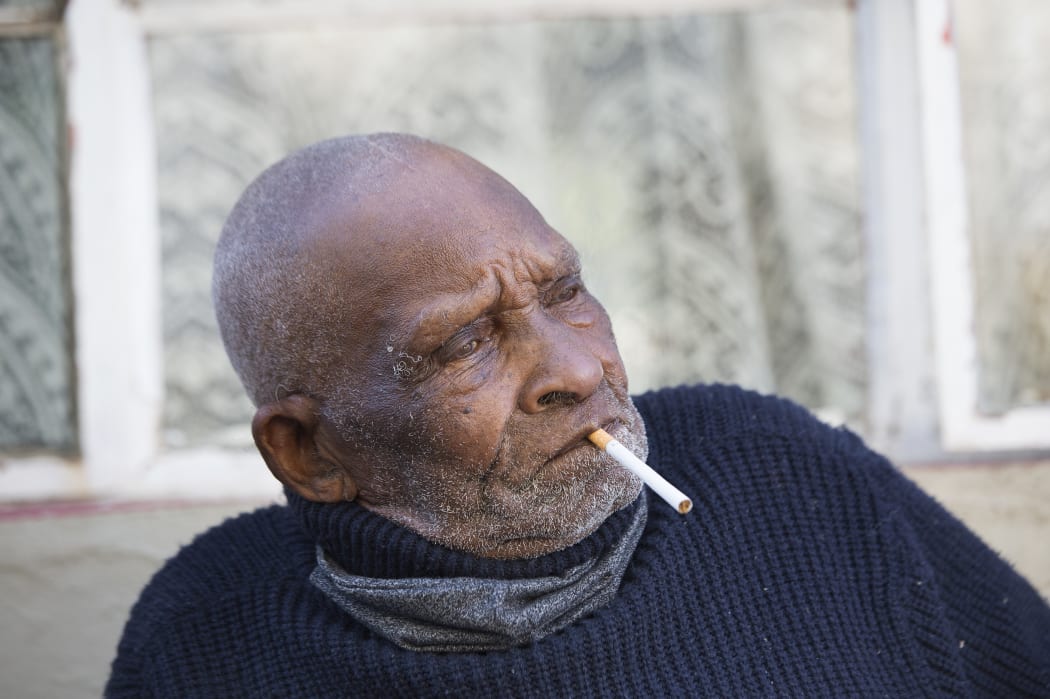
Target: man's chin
<point>553,526</point>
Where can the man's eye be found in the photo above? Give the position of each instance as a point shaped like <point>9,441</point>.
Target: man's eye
<point>466,349</point>
<point>566,293</point>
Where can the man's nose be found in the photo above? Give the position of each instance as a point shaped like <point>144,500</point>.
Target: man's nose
<point>566,372</point>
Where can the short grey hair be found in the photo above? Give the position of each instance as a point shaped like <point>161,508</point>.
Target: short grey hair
<point>272,308</point>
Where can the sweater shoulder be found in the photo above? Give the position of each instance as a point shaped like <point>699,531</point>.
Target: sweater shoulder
<point>719,440</point>
<point>222,558</point>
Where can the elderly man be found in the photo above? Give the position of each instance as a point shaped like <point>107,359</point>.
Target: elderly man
<point>427,364</point>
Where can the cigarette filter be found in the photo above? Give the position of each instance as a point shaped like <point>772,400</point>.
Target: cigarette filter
<point>671,495</point>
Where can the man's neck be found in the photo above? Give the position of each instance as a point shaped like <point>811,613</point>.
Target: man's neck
<point>364,543</point>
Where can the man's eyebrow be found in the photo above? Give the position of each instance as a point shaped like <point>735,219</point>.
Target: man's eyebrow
<point>565,262</point>
<point>569,259</point>
<point>440,319</point>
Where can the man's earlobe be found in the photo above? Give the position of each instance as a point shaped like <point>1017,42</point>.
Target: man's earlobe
<point>286,433</point>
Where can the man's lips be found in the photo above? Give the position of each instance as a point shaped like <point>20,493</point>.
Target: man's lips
<point>560,464</point>
<point>580,439</point>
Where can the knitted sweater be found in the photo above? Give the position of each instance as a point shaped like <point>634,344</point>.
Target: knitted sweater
<point>808,567</point>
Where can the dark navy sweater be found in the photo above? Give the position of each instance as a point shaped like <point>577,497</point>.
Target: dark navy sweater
<point>808,567</point>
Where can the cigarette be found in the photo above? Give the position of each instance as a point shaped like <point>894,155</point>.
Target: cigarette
<point>671,495</point>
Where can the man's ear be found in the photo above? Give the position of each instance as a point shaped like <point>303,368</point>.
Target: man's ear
<point>287,435</point>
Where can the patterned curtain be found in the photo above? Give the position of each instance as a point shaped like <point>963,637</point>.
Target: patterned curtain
<point>706,166</point>
<point>36,377</point>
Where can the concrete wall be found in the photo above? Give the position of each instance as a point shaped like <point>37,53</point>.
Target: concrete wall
<point>68,576</point>
<point>1008,505</point>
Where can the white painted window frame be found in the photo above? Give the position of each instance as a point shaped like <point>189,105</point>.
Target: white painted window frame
<point>116,238</point>
<point>901,405</point>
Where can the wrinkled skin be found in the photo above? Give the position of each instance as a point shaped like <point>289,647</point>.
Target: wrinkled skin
<point>475,364</point>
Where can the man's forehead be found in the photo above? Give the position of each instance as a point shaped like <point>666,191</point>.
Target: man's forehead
<point>526,252</point>
<point>444,203</point>
<point>443,231</point>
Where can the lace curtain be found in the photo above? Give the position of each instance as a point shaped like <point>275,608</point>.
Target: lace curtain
<point>36,364</point>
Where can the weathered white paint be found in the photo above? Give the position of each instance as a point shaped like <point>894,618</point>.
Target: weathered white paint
<point>115,243</point>
<point>40,477</point>
<point>902,411</point>
<point>245,15</point>
<point>23,20</point>
<point>204,474</point>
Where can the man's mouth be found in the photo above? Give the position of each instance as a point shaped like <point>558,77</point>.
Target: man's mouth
<point>580,439</point>
<point>564,463</point>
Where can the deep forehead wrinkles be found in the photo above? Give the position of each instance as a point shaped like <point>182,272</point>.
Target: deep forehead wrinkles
<point>529,272</point>
<point>501,282</point>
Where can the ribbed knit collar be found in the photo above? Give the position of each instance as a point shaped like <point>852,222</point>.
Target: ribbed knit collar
<point>364,543</point>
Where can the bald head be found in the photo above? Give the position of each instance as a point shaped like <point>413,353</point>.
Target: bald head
<point>274,293</point>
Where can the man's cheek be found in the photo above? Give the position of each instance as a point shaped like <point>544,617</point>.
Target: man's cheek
<point>475,430</point>
<point>485,405</point>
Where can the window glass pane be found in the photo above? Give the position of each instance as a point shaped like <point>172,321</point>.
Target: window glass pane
<point>36,407</point>
<point>706,167</point>
<point>1004,72</point>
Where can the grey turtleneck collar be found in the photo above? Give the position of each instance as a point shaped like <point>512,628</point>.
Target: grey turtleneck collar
<point>464,614</point>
